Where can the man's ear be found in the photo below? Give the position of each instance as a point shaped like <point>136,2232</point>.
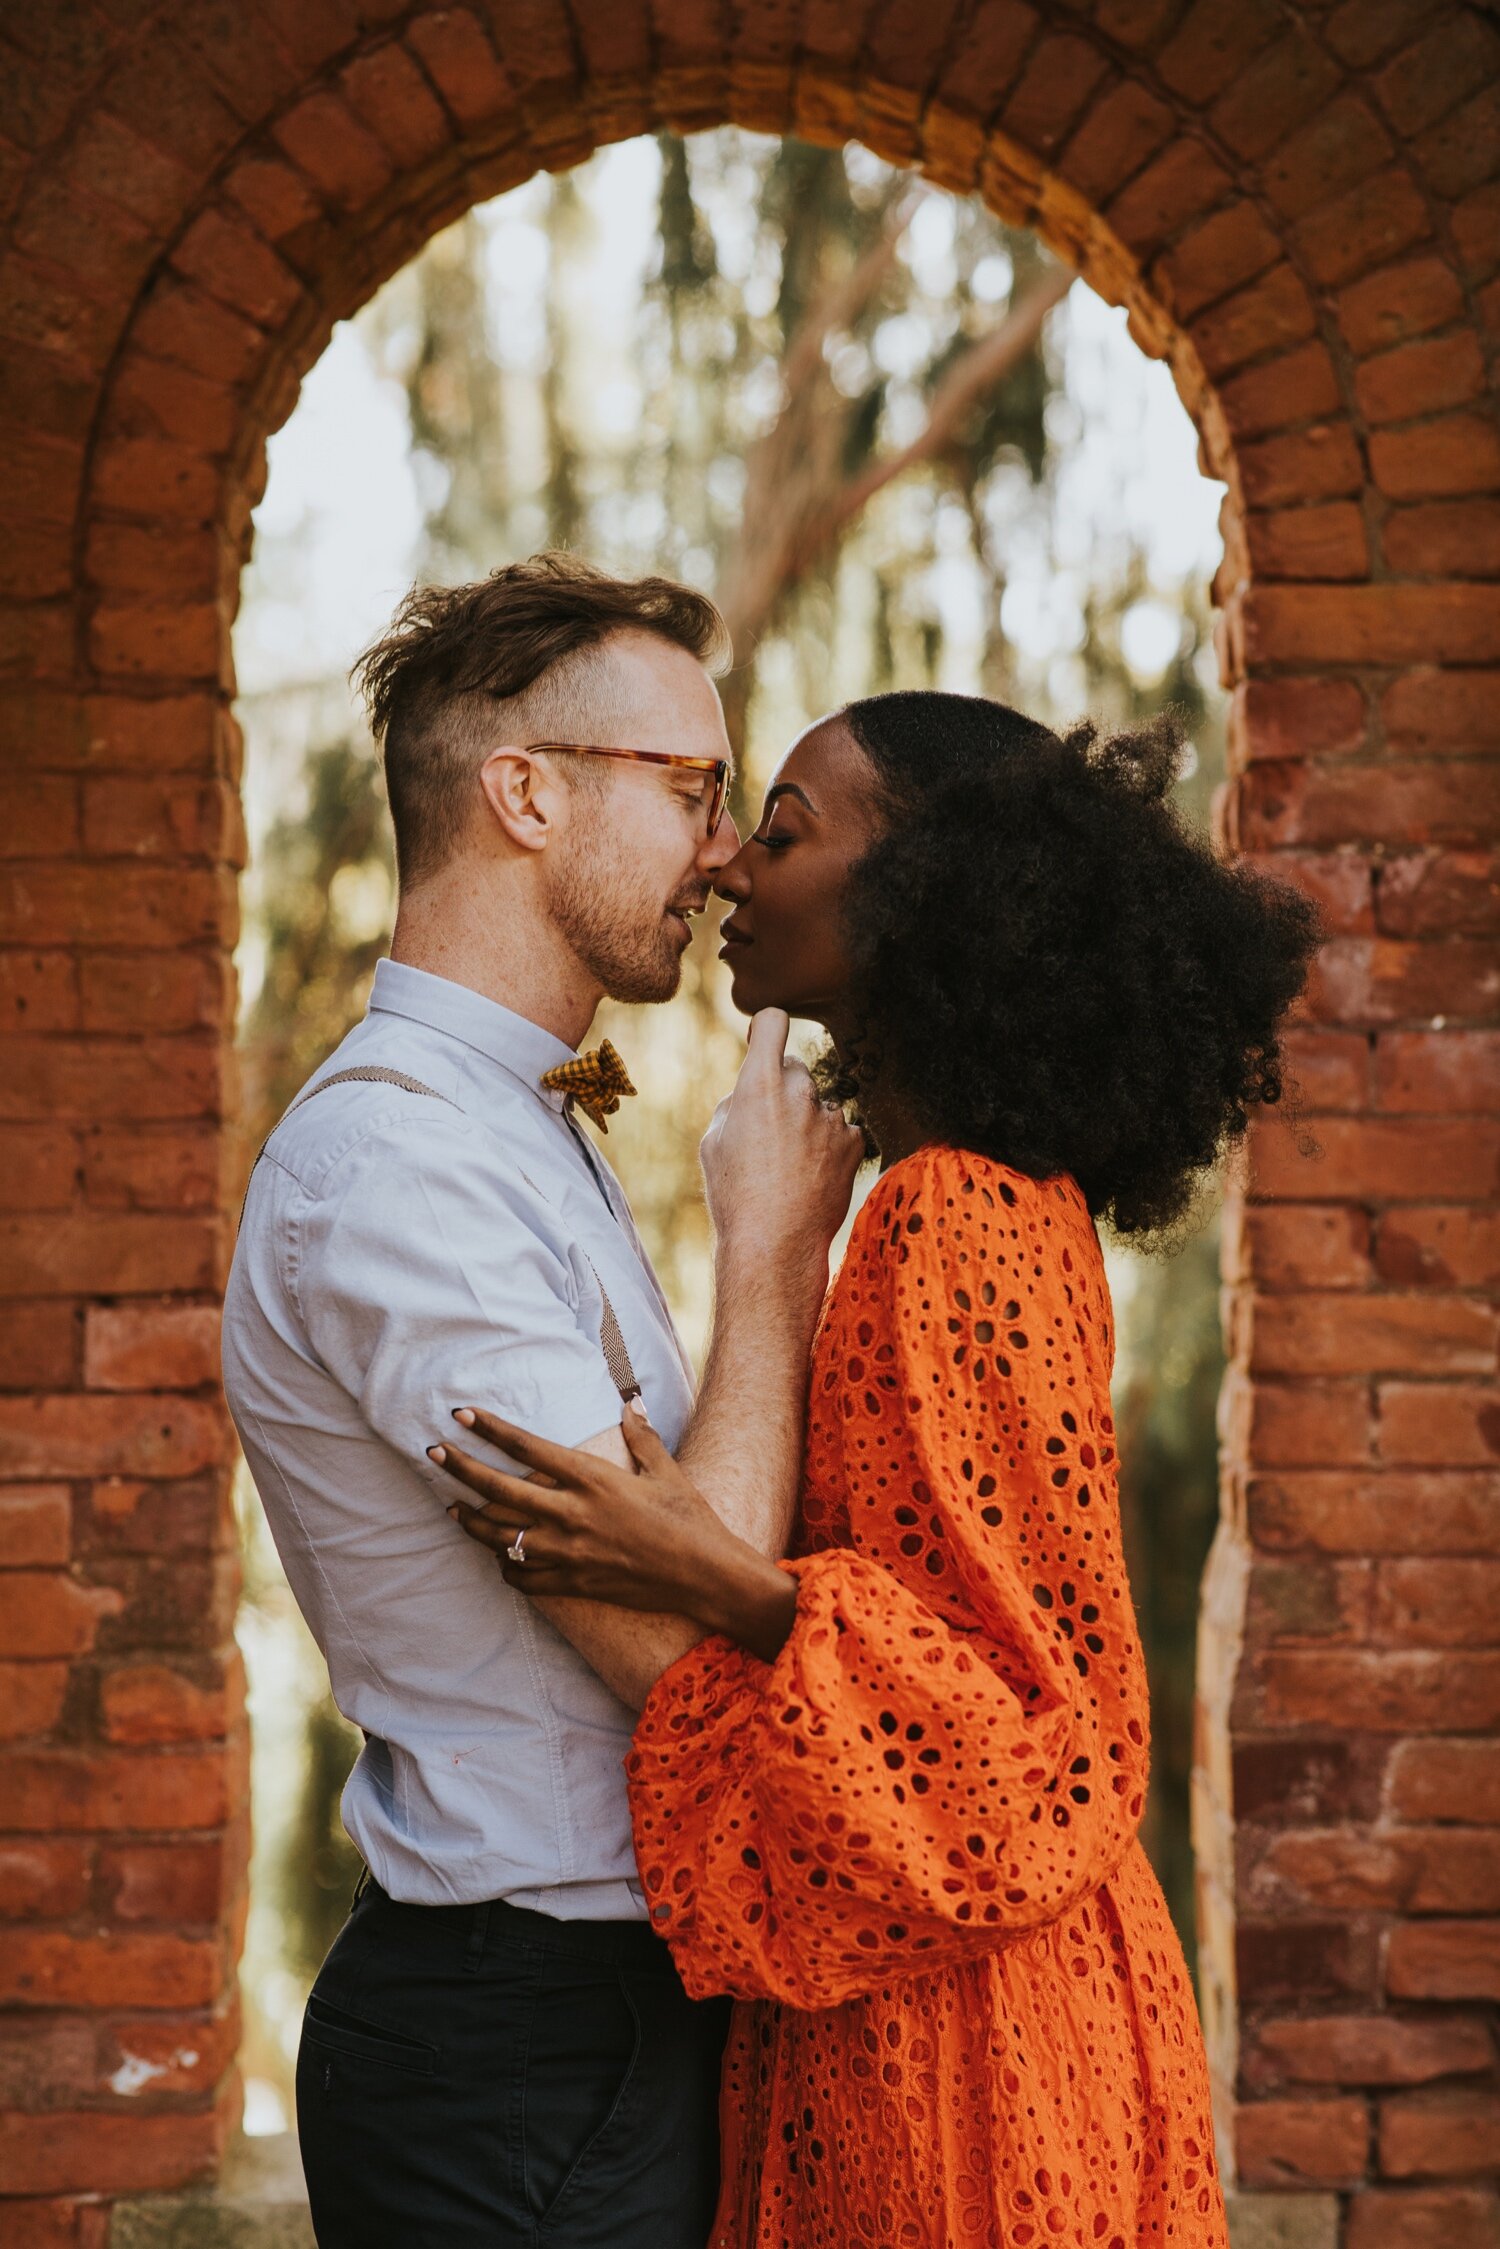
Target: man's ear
<point>521,797</point>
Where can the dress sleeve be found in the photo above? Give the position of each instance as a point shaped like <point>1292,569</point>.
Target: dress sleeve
<point>951,1747</point>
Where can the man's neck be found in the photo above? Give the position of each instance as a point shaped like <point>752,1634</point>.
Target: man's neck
<point>497,949</point>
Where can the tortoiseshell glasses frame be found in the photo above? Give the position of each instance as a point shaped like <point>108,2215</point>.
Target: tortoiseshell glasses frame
<point>717,766</point>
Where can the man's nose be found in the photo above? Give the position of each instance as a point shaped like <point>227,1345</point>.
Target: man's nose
<point>732,879</point>
<point>719,848</point>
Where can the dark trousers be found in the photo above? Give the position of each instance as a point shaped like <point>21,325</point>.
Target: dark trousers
<point>480,2077</point>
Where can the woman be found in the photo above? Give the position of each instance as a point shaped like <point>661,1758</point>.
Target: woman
<point>891,1802</point>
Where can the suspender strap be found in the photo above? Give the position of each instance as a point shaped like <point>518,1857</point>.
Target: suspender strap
<point>611,1336</point>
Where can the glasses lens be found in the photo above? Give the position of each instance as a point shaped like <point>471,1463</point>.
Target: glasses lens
<point>720,797</point>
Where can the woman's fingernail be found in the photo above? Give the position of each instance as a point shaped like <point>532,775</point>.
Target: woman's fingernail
<point>637,1407</point>
<point>465,1414</point>
<point>437,1453</point>
<point>453,1512</point>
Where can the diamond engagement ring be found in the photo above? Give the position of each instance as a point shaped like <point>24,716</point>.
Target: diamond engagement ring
<point>516,1551</point>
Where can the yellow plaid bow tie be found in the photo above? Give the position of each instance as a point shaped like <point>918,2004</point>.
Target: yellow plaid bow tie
<point>595,1080</point>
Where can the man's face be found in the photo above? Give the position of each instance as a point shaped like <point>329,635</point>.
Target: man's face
<point>633,858</point>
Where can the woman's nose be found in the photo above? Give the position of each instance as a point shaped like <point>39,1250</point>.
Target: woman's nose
<point>732,879</point>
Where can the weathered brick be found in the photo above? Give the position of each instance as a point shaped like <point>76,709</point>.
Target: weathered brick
<point>1272,314</point>
<point>1413,2218</point>
<point>1394,1512</point>
<point>119,904</point>
<point>1394,1159</point>
<point>1364,31</point>
<point>173,561</point>
<point>1339,147</point>
<point>39,1168</point>
<point>1432,77</point>
<point>1449,2130</point>
<point>339,155</point>
<point>162,818</point>
<point>114,2154</point>
<point>461,63</point>
<point>1371,2049</point>
<point>1296,1424</point>
<point>1392,1692</point>
<point>230,262</point>
<point>185,1515</point>
<point>1428,801</point>
<point>1437,1604</point>
<point>1060,74</point>
<point>389,94</point>
<point>1317,1333</point>
<point>52,1968</point>
<point>184,1602</point>
<point>1319,462</point>
<point>155,992</point>
<point>31,1699</point>
<point>1439,1248</point>
<point>1301,385</point>
<point>86,1435</point>
<point>1294,718</point>
<point>154,1167</point>
<point>151,1346</point>
<point>1453,454</point>
<point>154,734</point>
<point>1366,227</point>
<point>1438,1071</point>
<point>1330,1070</point>
<point>1309,1961</point>
<point>1118,136</point>
<point>1437,538</point>
<point>47,1613</point>
<point>1455,1780</point>
<point>1311,542</point>
<point>1175,187</point>
<point>38,992</point>
<point>176,642</point>
<point>69,1791</point>
<point>1301,2143</point>
<point>40,1344</point>
<point>187,1884</point>
<point>1283,87</point>
<point>98,1080</point>
<point>1298,1246</point>
<point>1438,1424</point>
<point>1375,624</point>
<point>1439,893</point>
<point>1409,299</point>
<point>151,1702</point>
<point>35,1525</point>
<point>1305,1779</point>
<point>43,1879</point>
<point>1458,153</point>
<point>1475,226</point>
<point>1421,377</point>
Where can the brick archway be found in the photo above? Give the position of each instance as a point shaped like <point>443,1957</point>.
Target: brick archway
<point>1296,203</point>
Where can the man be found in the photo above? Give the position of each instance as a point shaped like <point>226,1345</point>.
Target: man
<point>497,2049</point>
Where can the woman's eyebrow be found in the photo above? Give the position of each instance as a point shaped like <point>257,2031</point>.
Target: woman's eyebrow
<point>790,789</point>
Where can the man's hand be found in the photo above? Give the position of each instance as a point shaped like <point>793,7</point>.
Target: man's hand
<point>778,1164</point>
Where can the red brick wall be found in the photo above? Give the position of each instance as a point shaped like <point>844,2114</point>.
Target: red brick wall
<point>1298,204</point>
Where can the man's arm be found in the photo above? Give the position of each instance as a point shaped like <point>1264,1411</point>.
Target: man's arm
<point>778,1169</point>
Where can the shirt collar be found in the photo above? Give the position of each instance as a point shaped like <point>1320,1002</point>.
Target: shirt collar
<point>518,1045</point>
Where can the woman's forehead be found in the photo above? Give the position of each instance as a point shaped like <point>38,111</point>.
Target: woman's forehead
<point>825,756</point>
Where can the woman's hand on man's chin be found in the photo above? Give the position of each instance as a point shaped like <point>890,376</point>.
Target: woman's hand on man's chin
<point>642,1537</point>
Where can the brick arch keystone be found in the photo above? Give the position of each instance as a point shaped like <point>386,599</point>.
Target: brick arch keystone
<point>1298,203</point>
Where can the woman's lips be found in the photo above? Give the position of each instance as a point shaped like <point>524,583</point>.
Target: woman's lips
<point>731,937</point>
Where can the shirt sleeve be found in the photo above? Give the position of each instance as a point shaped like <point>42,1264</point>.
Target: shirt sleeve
<point>428,1279</point>
<point>938,1761</point>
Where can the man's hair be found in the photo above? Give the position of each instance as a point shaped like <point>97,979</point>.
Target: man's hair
<point>463,668</point>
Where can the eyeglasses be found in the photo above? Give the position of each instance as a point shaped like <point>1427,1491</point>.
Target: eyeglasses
<point>717,766</point>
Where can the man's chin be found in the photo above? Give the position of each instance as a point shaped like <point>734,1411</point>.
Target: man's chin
<point>645,984</point>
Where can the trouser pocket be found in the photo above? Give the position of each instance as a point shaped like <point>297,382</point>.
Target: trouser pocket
<point>582,2050</point>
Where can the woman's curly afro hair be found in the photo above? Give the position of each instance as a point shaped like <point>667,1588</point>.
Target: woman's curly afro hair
<point>1056,972</point>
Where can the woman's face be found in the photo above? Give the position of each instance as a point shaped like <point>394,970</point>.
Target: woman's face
<point>784,941</point>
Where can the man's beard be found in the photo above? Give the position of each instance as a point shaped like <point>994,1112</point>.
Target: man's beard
<point>620,934</point>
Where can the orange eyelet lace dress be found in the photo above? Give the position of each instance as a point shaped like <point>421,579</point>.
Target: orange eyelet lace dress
<point>908,1847</point>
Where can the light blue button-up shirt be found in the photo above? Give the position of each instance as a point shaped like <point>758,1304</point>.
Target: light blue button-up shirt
<point>399,1257</point>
